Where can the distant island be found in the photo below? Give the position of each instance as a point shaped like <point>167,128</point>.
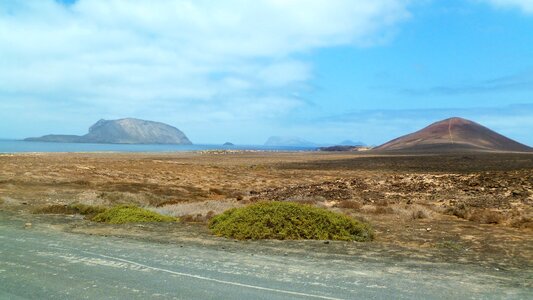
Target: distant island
<point>288,141</point>
<point>122,131</point>
<point>351,143</point>
<point>344,148</point>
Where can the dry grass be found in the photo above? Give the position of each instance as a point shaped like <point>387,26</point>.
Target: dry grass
<point>478,215</point>
<point>193,209</point>
<point>419,214</point>
<point>115,198</point>
<point>306,199</point>
<point>122,214</point>
<point>216,191</point>
<point>460,210</point>
<point>198,218</point>
<point>70,209</point>
<point>485,216</point>
<point>415,211</point>
<point>349,204</point>
<point>522,222</point>
<point>404,211</point>
<point>381,210</point>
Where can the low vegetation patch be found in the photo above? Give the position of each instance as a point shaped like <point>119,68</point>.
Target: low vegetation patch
<point>288,221</point>
<point>485,216</point>
<point>130,214</point>
<point>450,245</point>
<point>70,209</point>
<point>479,215</point>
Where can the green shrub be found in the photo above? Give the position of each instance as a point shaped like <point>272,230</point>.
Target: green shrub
<point>130,214</point>
<point>286,220</point>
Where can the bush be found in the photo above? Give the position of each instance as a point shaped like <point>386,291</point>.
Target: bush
<point>130,214</point>
<point>71,209</point>
<point>286,220</point>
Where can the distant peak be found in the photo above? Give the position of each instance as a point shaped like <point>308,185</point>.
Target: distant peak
<point>459,120</point>
<point>454,133</point>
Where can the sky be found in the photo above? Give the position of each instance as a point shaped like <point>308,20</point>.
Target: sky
<point>241,71</point>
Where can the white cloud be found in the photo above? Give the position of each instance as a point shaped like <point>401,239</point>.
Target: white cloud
<point>524,5</point>
<point>226,59</point>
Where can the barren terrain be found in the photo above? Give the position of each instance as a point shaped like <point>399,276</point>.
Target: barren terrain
<point>473,207</point>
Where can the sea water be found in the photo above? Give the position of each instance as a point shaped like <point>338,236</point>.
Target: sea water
<point>17,146</point>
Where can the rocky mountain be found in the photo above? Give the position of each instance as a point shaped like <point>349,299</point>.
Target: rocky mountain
<point>451,135</point>
<point>124,131</point>
<point>288,141</point>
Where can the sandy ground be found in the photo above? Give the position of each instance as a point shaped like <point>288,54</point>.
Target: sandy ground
<point>472,208</point>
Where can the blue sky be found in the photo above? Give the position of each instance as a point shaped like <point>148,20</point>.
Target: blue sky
<point>241,71</point>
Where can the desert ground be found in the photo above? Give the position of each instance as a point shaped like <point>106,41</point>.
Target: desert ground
<point>473,208</point>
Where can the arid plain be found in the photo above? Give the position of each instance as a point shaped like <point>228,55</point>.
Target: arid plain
<point>469,207</point>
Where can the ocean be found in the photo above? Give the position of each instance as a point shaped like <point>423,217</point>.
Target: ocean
<point>17,146</point>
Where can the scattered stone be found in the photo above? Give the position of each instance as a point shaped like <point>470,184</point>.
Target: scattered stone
<point>28,225</point>
<point>428,229</point>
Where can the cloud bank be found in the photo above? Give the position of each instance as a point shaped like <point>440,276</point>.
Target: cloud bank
<point>524,5</point>
<point>189,60</point>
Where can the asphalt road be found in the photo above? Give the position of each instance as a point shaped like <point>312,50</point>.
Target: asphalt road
<point>42,263</point>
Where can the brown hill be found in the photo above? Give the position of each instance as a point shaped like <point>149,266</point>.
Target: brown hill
<point>452,135</point>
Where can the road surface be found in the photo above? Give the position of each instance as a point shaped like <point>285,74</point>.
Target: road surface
<point>42,263</point>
